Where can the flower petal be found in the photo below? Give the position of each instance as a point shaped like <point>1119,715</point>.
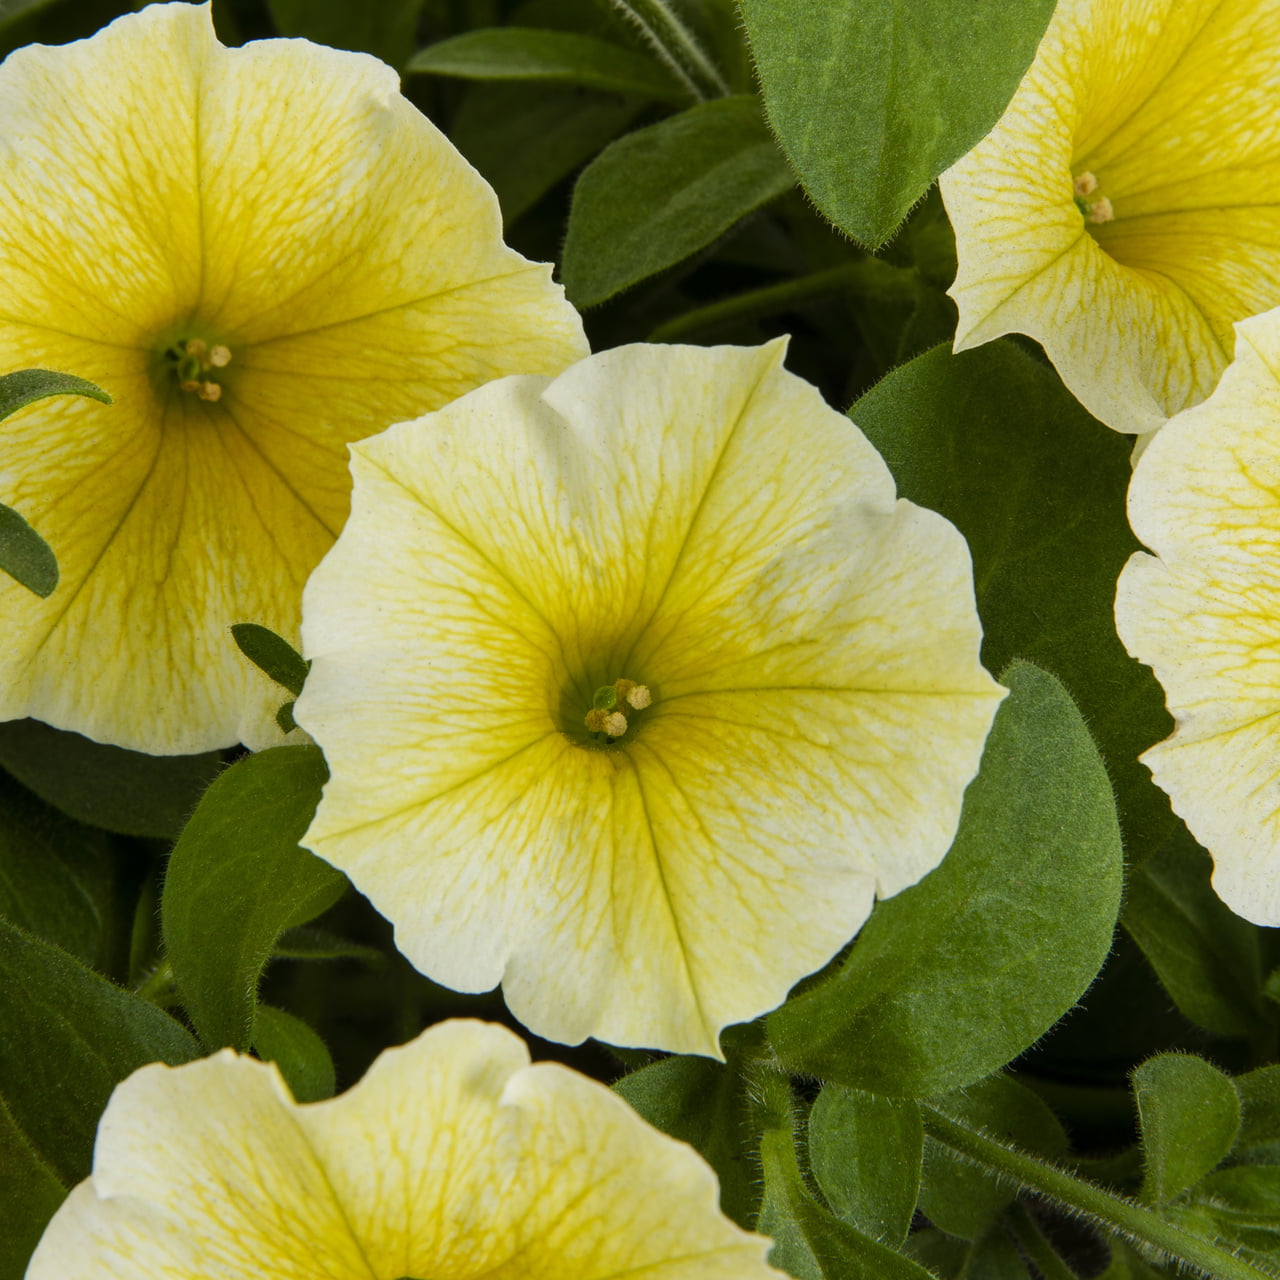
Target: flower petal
<point>696,520</point>
<point>1204,612</point>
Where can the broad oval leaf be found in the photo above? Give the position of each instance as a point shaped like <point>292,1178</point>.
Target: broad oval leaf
<point>873,100</point>
<point>564,57</point>
<point>658,195</point>
<point>866,1152</point>
<point>30,1193</point>
<point>1189,1115</point>
<point>105,786</point>
<point>272,654</point>
<point>300,1054</point>
<point>237,879</point>
<point>25,556</point>
<point>70,1037</point>
<point>954,977</point>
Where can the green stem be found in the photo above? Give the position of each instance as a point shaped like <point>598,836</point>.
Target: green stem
<point>867,275</point>
<point>1037,1248</point>
<point>157,986</point>
<point>676,45</point>
<point>1111,1212</point>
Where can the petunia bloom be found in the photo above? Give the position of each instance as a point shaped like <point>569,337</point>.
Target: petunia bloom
<point>262,254</point>
<point>636,687</point>
<point>1125,211</point>
<point>452,1157</point>
<point>1204,613</point>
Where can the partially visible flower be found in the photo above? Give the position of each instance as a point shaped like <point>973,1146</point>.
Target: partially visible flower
<point>636,688</point>
<point>1204,613</point>
<point>453,1157</point>
<point>1125,211</point>
<point>262,254</point>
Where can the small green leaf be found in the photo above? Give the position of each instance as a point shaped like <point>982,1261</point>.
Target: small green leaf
<point>660,194</point>
<point>700,1102</point>
<point>809,1241</point>
<point>30,1194</point>
<point>306,942</point>
<point>957,975</point>
<point>17,390</point>
<point>564,57</point>
<point>957,1195</point>
<point>284,717</point>
<point>1243,1203</point>
<point>25,556</point>
<point>1189,1114</point>
<point>873,100</point>
<point>992,440</point>
<point>995,1257</point>
<point>70,1037</point>
<point>384,28</point>
<point>272,654</point>
<point>1207,958</point>
<point>1259,1107</point>
<point>295,1048</point>
<point>56,876</point>
<point>103,786</point>
<point>237,879</point>
<point>866,1153</point>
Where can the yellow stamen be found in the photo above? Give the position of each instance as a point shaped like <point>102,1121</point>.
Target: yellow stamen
<point>220,357</point>
<point>210,391</point>
<point>1101,211</point>
<point>615,724</point>
<point>638,696</point>
<point>595,721</point>
<point>1084,184</point>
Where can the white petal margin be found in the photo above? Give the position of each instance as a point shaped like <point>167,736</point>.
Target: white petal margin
<point>694,519</point>
<point>452,1157</point>
<point>1204,614</point>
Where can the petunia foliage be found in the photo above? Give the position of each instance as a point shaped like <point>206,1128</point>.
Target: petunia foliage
<point>593,681</point>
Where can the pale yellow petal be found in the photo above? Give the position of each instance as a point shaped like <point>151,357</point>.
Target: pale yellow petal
<point>280,199</point>
<point>452,1159</point>
<point>1169,107</point>
<point>697,521</point>
<point>1204,612</point>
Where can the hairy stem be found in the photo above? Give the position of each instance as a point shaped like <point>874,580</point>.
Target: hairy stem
<point>676,45</point>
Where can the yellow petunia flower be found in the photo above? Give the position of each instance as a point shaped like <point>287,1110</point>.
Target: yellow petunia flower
<point>636,688</point>
<point>1204,613</point>
<point>1125,211</point>
<point>453,1157</point>
<point>262,254</point>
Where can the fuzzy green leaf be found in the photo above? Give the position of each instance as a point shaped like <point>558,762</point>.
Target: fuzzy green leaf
<point>295,1048</point>
<point>272,654</point>
<point>660,194</point>
<point>872,100</point>
<point>957,975</point>
<point>237,879</point>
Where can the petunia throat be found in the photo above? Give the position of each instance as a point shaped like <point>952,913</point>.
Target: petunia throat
<point>197,365</point>
<point>611,705</point>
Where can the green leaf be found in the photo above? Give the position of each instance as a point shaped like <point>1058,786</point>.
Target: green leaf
<point>809,1241</point>
<point>1259,1107</point>
<point>384,28</point>
<point>30,1193</point>
<point>957,975</point>
<point>1246,1196</point>
<point>237,879</point>
<point>994,1257</point>
<point>522,53</point>
<point>873,100</point>
<point>660,194</point>
<point>295,1048</point>
<point>957,1195</point>
<point>525,139</point>
<point>70,1037</point>
<point>52,21</point>
<point>993,441</point>
<point>700,1102</point>
<point>272,654</point>
<point>56,876</point>
<point>305,942</point>
<point>17,390</point>
<point>1189,1114</point>
<point>25,556</point>
<point>123,791</point>
<point>1208,958</point>
<point>866,1152</point>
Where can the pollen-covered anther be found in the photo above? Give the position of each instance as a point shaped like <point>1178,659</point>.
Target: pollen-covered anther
<point>210,391</point>
<point>611,703</point>
<point>1084,184</point>
<point>638,696</point>
<point>220,357</point>
<point>615,724</point>
<point>1101,211</point>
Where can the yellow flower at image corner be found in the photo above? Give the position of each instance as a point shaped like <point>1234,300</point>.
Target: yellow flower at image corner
<point>262,253</point>
<point>1125,211</point>
<point>453,1157</point>
<point>1204,613</point>
<point>636,688</point>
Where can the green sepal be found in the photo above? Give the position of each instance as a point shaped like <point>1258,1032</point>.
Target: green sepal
<point>272,654</point>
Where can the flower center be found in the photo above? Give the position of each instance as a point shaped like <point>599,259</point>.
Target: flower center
<point>197,365</point>
<point>612,705</point>
<point>1085,185</point>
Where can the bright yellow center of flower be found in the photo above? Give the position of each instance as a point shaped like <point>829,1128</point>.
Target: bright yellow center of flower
<point>1094,207</point>
<point>197,366</point>
<point>612,705</point>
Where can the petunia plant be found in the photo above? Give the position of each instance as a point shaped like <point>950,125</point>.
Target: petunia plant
<point>639,640</point>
